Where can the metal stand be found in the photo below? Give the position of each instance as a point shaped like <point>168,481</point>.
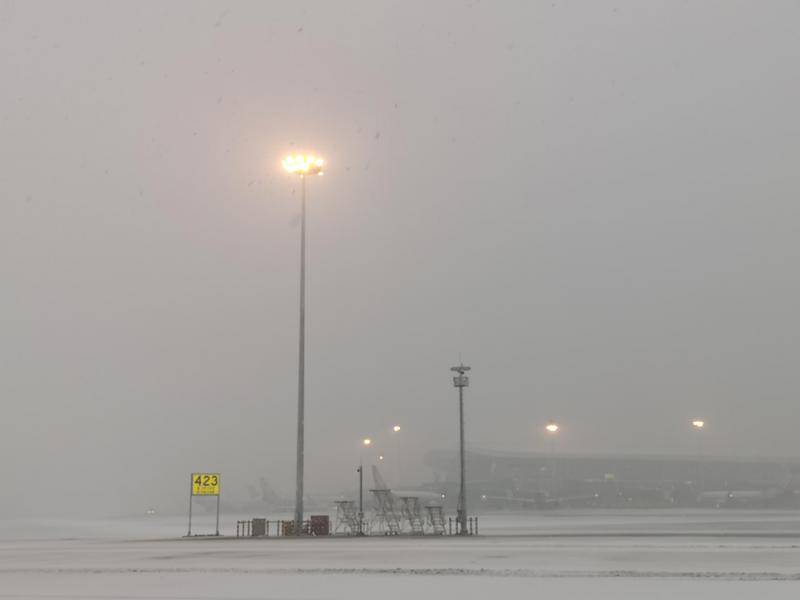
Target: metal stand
<point>387,515</point>
<point>436,519</point>
<point>412,511</point>
<point>347,516</point>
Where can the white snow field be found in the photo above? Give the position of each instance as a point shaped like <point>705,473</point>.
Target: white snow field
<point>561,554</point>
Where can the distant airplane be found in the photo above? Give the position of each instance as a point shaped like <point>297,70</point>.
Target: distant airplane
<point>540,500</point>
<point>738,498</point>
<point>785,492</point>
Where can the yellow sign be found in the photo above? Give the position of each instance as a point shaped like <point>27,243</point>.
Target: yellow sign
<point>205,484</point>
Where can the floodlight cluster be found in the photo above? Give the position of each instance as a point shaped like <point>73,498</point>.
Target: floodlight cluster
<point>303,164</point>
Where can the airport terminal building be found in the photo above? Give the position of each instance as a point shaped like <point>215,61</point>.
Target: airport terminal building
<point>499,479</point>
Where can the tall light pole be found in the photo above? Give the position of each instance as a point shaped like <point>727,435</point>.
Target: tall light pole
<point>552,429</point>
<point>461,381</point>
<point>396,436</point>
<point>366,443</point>
<point>699,425</point>
<point>303,166</point>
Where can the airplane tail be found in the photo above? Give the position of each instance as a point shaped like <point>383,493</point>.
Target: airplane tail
<point>380,484</point>
<point>791,479</point>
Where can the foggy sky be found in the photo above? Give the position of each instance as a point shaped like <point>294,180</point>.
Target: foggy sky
<point>593,203</point>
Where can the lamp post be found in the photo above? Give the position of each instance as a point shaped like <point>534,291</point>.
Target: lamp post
<point>360,471</point>
<point>461,381</point>
<point>551,429</point>
<point>699,425</point>
<point>396,439</point>
<point>366,443</point>
<point>302,166</point>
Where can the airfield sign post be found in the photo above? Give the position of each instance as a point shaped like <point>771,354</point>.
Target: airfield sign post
<point>204,484</point>
<point>461,381</point>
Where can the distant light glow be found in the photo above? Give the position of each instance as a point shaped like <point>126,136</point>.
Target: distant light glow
<point>396,428</point>
<point>698,423</point>
<point>552,427</point>
<point>380,457</point>
<point>367,442</point>
<point>303,164</point>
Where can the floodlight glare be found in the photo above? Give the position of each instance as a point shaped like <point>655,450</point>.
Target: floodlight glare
<point>303,164</point>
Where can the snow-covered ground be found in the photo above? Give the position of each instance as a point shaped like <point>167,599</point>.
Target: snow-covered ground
<point>625,554</point>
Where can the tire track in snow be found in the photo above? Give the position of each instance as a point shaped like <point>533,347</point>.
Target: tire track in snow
<point>424,572</point>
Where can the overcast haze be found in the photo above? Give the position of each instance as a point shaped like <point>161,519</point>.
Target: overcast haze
<point>593,203</point>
